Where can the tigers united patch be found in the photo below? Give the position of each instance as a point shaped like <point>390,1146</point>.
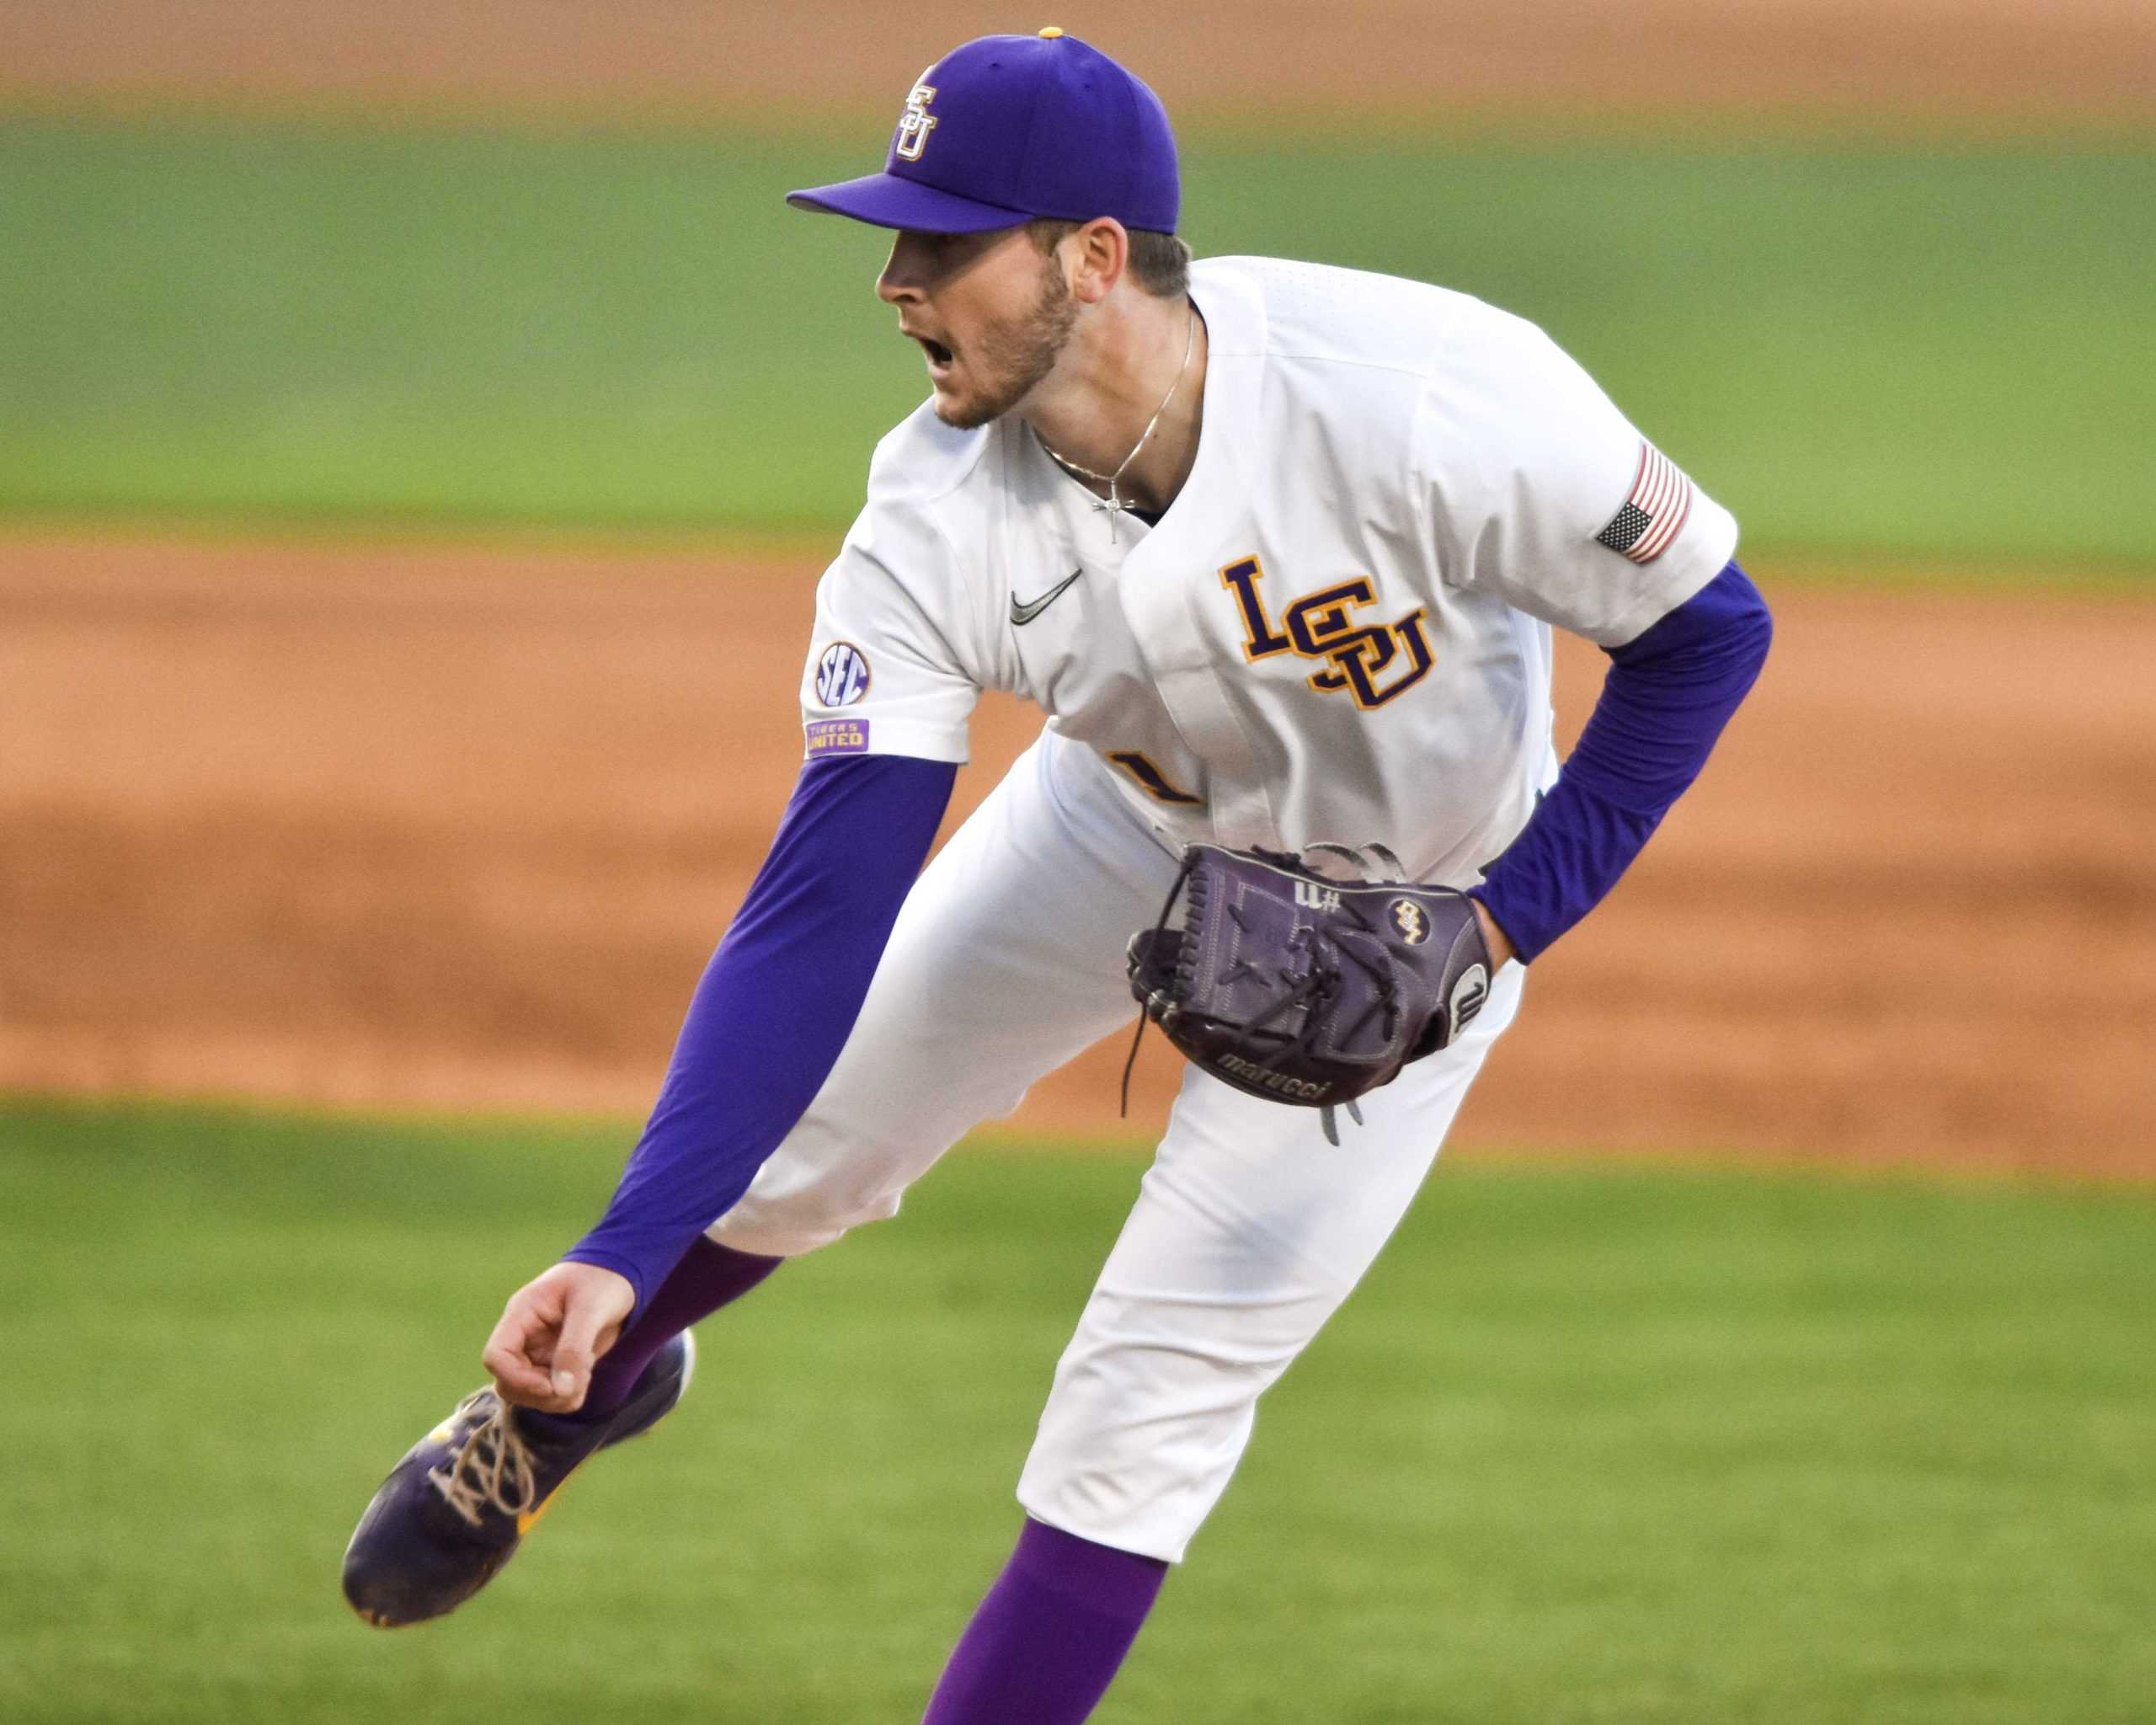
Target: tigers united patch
<point>837,736</point>
<point>1654,513</point>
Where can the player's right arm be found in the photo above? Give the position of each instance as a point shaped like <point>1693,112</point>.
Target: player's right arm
<point>885,706</point>
<point>762,1032</point>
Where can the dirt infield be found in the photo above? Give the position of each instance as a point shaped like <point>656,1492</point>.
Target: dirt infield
<point>1275,61</point>
<point>370,825</point>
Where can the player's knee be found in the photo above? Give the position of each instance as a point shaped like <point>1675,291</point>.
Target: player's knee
<point>794,1230</point>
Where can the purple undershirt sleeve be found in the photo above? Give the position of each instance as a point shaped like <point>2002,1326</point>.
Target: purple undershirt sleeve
<point>1665,701</point>
<point>776,1004</point>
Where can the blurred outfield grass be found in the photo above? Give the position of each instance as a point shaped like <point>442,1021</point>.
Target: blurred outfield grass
<point>1590,1445</point>
<point>1900,351</point>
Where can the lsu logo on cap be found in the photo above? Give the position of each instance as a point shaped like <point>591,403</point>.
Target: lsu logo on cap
<point>841,675</point>
<point>915,124</point>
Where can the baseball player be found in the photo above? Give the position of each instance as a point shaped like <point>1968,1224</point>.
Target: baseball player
<point>1277,549</point>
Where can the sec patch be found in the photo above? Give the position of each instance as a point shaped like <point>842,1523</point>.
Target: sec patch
<point>841,675</point>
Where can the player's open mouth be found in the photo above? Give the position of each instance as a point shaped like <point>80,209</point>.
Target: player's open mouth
<point>939,356</point>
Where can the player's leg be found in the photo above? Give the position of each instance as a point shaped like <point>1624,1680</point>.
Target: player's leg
<point>709,1276</point>
<point>1249,1232</point>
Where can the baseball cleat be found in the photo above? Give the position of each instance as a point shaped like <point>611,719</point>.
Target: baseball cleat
<point>454,1508</point>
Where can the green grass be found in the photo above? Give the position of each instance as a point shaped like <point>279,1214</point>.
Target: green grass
<point>1867,350</point>
<point>1589,1446</point>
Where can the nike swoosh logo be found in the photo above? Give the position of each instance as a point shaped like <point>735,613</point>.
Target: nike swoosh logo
<point>1020,615</point>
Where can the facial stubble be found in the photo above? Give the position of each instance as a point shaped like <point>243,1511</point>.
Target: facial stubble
<point>1012,355</point>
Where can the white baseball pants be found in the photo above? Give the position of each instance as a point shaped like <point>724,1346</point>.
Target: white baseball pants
<point>1249,1230</point>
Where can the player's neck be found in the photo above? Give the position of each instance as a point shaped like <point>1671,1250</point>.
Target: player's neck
<point>1108,386</point>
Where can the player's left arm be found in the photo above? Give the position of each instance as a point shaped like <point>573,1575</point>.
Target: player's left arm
<point>1546,497</point>
<point>1668,693</point>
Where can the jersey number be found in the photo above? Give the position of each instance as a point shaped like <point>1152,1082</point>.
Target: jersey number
<point>1139,766</point>
<point>1358,657</point>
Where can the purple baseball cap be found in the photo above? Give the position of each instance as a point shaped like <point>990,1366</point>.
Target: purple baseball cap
<point>1009,128</point>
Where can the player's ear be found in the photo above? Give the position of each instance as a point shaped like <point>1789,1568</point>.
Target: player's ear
<point>1102,256</point>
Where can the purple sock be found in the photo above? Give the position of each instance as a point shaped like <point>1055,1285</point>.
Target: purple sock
<point>708,1276</point>
<point>1050,1637</point>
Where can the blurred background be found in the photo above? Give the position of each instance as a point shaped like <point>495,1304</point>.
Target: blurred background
<point>420,428</point>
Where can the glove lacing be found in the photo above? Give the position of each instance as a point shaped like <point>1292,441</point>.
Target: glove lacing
<point>1317,986</point>
<point>1146,1008</point>
<point>492,1470</point>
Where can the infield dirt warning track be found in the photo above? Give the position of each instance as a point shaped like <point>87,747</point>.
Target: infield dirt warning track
<point>453,827</point>
<point>388,825</point>
<point>1269,62</point>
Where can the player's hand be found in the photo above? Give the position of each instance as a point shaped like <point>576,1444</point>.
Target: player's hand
<point>552,1331</point>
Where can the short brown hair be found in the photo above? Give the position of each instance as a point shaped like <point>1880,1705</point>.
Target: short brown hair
<point>1160,263</point>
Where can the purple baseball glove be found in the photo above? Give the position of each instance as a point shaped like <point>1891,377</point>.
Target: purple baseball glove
<point>1306,989</point>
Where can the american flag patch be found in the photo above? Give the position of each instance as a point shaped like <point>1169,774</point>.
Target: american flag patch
<point>1650,518</point>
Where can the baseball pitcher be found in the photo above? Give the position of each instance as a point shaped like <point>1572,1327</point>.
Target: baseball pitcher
<point>1277,549</point>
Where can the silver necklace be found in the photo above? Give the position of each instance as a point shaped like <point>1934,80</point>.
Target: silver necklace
<point>1114,505</point>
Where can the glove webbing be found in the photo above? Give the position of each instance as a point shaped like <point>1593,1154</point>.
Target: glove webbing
<point>1314,982</point>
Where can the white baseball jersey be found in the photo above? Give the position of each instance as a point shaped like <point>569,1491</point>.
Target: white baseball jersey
<point>1339,630</point>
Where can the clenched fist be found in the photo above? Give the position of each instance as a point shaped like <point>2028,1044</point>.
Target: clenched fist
<point>552,1331</point>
